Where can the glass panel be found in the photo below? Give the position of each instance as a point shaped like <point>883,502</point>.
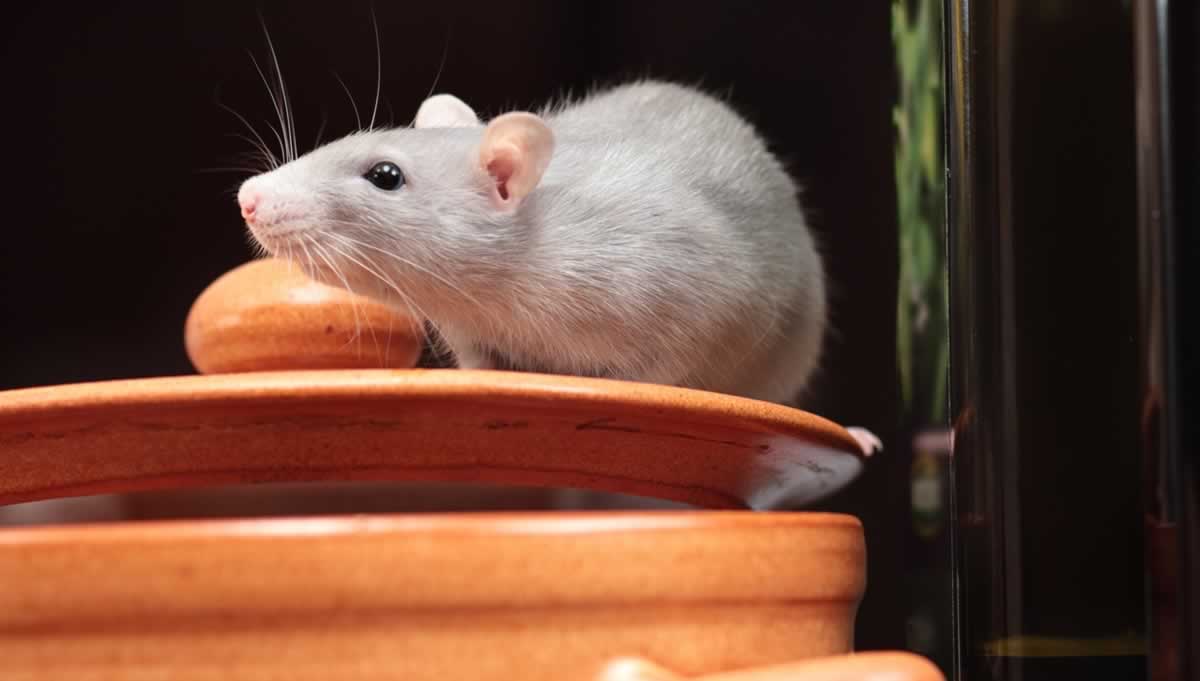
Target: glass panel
<point>1044,317</point>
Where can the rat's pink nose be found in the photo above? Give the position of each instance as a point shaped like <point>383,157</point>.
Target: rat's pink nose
<point>248,200</point>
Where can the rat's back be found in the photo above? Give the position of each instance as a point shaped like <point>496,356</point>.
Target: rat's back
<point>695,211</point>
<point>667,124</point>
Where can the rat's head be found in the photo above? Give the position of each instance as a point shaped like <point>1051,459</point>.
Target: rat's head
<point>423,208</point>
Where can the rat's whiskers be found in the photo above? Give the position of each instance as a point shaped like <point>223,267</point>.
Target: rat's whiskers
<point>438,76</point>
<point>353,104</point>
<point>415,312</point>
<point>408,263</point>
<point>286,120</point>
<point>321,129</point>
<point>345,283</point>
<point>378,68</point>
<point>230,169</point>
<point>256,140</point>
<point>278,109</point>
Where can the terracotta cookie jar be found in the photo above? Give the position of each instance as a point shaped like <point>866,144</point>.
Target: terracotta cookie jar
<point>301,382</point>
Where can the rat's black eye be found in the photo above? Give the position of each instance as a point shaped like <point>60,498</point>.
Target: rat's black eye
<point>385,175</point>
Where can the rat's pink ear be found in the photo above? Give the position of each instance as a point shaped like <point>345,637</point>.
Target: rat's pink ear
<point>445,111</point>
<point>515,151</point>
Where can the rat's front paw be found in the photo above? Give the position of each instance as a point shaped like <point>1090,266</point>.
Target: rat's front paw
<point>469,357</point>
<point>866,440</point>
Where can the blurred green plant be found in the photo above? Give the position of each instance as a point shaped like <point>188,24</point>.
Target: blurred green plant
<point>922,307</point>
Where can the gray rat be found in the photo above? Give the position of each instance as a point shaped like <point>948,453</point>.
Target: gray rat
<point>644,232</point>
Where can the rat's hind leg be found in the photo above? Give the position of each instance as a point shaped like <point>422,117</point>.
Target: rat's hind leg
<point>868,441</point>
<point>470,357</point>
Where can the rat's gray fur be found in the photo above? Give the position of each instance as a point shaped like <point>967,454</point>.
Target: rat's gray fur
<point>664,244</point>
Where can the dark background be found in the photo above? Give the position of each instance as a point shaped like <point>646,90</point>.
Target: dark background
<point>115,224</point>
